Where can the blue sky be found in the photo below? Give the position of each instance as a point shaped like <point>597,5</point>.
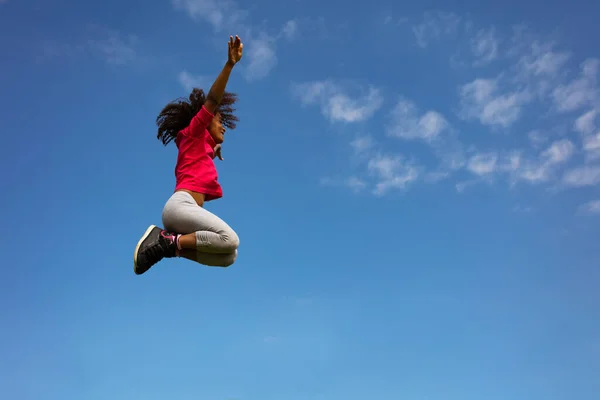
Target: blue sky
<point>416,189</point>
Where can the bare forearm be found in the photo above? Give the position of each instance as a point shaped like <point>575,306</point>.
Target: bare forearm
<point>217,90</point>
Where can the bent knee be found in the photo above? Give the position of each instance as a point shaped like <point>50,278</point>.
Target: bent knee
<point>231,241</point>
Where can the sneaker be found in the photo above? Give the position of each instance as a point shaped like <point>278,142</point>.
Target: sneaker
<point>154,245</point>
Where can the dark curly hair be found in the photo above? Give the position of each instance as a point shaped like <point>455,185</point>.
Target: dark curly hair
<point>179,113</point>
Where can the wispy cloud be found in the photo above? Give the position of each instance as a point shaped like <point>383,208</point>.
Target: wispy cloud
<point>435,26</point>
<point>221,15</point>
<point>362,144</point>
<point>260,47</point>
<point>518,168</point>
<point>381,173</point>
<point>532,93</point>
<point>481,100</point>
<point>391,172</point>
<point>261,57</point>
<point>483,164</point>
<point>582,176</point>
<point>586,123</point>
<point>485,46</point>
<point>408,123</point>
<point>336,104</point>
<point>590,208</point>
<point>591,145</point>
<point>581,92</point>
<point>540,60</point>
<point>353,183</point>
<point>108,45</point>
<point>290,29</point>
<point>189,81</point>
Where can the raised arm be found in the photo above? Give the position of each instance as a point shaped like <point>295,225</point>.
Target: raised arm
<point>217,90</point>
<point>202,119</point>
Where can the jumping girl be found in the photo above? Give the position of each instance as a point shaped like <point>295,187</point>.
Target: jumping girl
<point>197,126</point>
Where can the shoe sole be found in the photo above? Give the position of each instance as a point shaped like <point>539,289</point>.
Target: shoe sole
<point>137,248</point>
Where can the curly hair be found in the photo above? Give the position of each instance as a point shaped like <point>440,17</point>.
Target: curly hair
<point>179,113</point>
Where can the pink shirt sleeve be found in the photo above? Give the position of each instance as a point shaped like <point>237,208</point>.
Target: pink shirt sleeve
<point>199,123</point>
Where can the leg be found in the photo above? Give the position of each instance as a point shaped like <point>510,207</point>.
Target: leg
<point>209,259</point>
<point>201,229</point>
<point>198,229</point>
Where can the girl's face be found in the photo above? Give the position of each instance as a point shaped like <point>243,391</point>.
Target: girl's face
<point>216,129</point>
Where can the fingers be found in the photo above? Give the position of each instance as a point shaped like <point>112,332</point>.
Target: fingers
<point>236,42</point>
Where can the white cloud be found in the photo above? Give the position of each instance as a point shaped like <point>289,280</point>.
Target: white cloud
<point>115,49</point>
<point>483,164</point>
<point>260,57</point>
<point>590,208</point>
<point>353,183</point>
<point>335,102</point>
<point>362,144</point>
<point>591,145</point>
<point>220,14</point>
<point>586,125</point>
<point>537,138</point>
<point>485,46</point>
<point>480,100</point>
<point>290,29</point>
<point>391,172</point>
<point>581,92</point>
<point>436,25</point>
<point>522,209</point>
<point>189,81</point>
<point>406,123</point>
<point>520,169</point>
<point>463,185</point>
<point>542,170</point>
<point>537,77</point>
<point>586,122</point>
<point>108,45</point>
<point>542,61</point>
<point>436,176</point>
<point>533,172</point>
<point>559,152</point>
<point>539,68</point>
<point>582,176</point>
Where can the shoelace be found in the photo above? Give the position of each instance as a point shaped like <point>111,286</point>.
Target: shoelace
<point>155,252</point>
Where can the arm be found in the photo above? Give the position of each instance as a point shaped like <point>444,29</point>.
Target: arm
<point>202,119</point>
<point>217,90</point>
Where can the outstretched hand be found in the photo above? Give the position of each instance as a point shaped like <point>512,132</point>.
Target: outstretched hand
<point>217,151</point>
<point>235,49</point>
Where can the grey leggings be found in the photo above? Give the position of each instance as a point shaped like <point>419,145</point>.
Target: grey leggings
<point>216,242</point>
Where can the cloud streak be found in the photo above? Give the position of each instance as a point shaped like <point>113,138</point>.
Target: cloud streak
<point>336,102</point>
<point>107,45</point>
<point>260,47</point>
<point>527,114</point>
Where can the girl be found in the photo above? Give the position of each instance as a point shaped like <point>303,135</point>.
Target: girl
<point>197,126</point>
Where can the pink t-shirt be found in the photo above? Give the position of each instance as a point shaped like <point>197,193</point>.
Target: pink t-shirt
<point>195,168</point>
